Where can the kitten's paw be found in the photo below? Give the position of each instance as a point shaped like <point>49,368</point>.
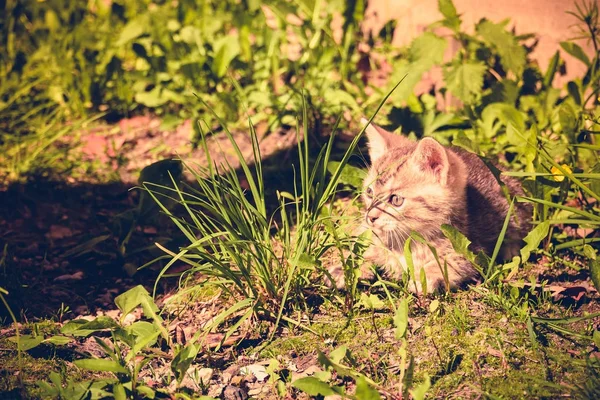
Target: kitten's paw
<point>366,272</point>
<point>433,286</point>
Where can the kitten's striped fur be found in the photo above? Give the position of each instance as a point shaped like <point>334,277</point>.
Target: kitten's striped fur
<point>418,186</point>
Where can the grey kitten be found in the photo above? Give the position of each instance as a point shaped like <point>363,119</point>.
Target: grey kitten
<point>418,186</point>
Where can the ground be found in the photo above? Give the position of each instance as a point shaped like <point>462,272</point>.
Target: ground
<point>68,254</point>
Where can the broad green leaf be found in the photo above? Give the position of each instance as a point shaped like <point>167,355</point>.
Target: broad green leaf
<point>58,340</point>
<point>183,360</point>
<point>350,175</point>
<point>304,261</point>
<point>401,319</point>
<point>314,387</point>
<point>589,252</point>
<point>338,354</point>
<point>465,80</point>
<point>339,99</point>
<point>434,305</point>
<point>97,364</point>
<point>512,54</point>
<point>119,392</point>
<point>497,115</point>
<point>141,329</point>
<point>153,98</point>
<point>371,302</point>
<point>27,342</point>
<point>145,338</point>
<point>82,327</point>
<point>133,298</point>
<point>364,391</point>
<point>427,50</point>
<point>463,141</point>
<point>440,120</point>
<point>410,74</point>
<point>596,338</point>
<point>150,394</point>
<point>576,51</point>
<point>533,239</point>
<point>459,242</point>
<point>225,50</point>
<point>565,117</point>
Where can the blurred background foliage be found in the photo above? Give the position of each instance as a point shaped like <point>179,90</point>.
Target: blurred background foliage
<point>65,63</point>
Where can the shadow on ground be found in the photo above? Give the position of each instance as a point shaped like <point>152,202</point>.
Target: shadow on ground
<point>61,243</point>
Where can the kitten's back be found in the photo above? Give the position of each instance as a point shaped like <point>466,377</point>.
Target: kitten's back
<point>487,208</point>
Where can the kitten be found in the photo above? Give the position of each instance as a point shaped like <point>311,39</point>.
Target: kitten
<point>418,186</point>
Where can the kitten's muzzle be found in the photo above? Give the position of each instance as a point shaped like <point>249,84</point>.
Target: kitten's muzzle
<point>372,215</point>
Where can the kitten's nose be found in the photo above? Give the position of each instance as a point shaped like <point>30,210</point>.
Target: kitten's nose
<point>371,219</point>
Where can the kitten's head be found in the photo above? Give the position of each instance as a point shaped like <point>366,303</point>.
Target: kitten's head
<point>410,186</point>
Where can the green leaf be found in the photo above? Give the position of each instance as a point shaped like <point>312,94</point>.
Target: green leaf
<point>133,30</point>
<point>497,115</point>
<point>465,81</point>
<point>533,239</point>
<point>97,364</point>
<point>150,393</point>
<point>153,98</point>
<point>451,18</point>
<point>596,338</point>
<point>364,391</point>
<point>595,272</point>
<point>28,342</point>
<point>427,50</point>
<point>58,340</point>
<point>459,242</point>
<point>576,51</point>
<point>371,302</point>
<point>304,261</point>
<point>423,279</point>
<point>82,327</point>
<point>134,297</point>
<point>565,118</point>
<point>340,100</point>
<point>183,360</point>
<point>552,68</point>
<point>314,387</point>
<point>463,141</point>
<point>512,54</point>
<point>418,393</point>
<point>225,49</point>
<point>338,354</point>
<point>401,319</point>
<point>350,175</point>
<point>119,392</point>
<point>145,335</point>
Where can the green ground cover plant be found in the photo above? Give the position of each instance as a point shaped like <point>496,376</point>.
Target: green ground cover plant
<point>262,266</point>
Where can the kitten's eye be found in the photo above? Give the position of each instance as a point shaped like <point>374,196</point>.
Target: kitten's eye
<point>369,192</point>
<point>396,200</point>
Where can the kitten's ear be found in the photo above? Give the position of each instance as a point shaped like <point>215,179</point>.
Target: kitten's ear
<point>432,157</point>
<point>379,140</point>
